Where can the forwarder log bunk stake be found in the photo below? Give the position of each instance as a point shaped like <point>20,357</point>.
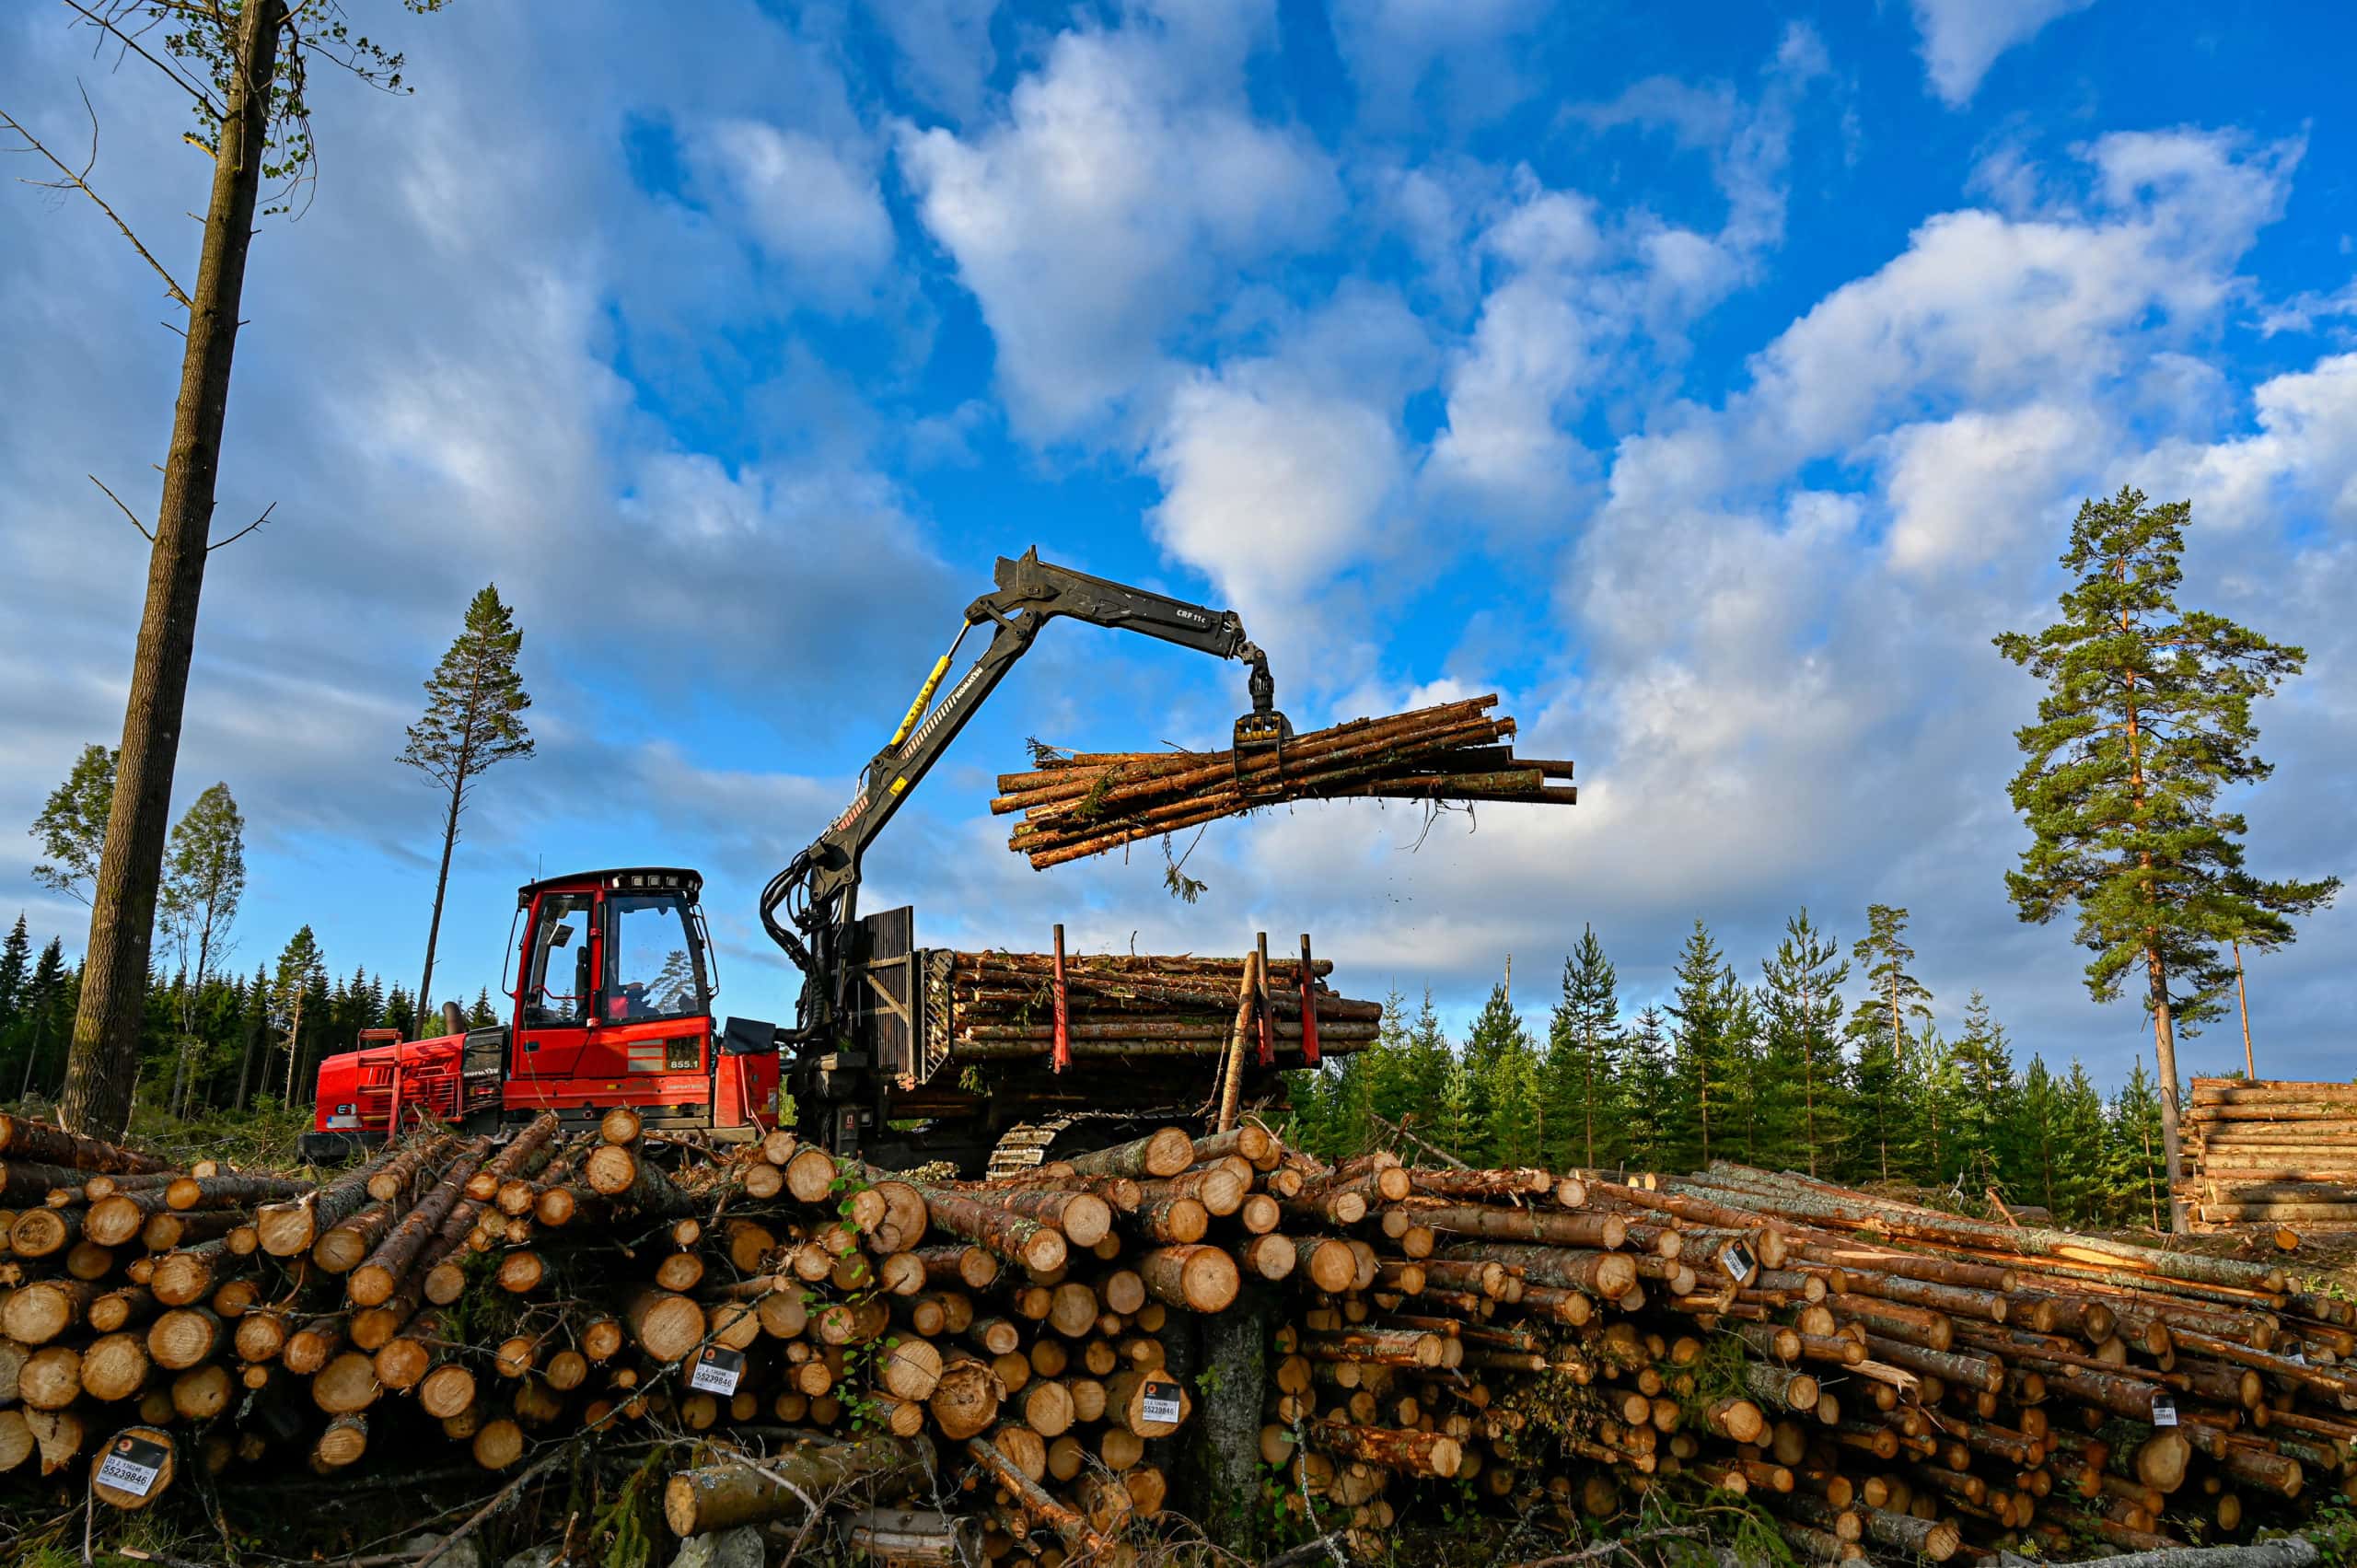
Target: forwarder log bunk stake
<point>1872,1375</point>
<point>1088,804</point>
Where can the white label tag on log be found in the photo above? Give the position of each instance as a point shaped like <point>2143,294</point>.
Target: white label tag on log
<point>1741,1264</point>
<point>717,1370</point>
<point>1159,1401</point>
<point>131,1464</point>
<point>2164,1410</point>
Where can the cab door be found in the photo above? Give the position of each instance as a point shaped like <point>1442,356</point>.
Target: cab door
<point>560,968</point>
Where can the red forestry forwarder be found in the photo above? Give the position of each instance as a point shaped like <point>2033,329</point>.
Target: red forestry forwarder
<point>612,994</point>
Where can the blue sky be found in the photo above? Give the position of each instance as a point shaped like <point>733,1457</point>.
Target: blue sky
<point>1712,383</point>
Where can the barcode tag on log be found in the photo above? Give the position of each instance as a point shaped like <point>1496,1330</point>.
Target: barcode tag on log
<point>1159,1401</point>
<point>1741,1264</point>
<point>131,1464</point>
<point>717,1370</point>
<point>2298,1358</point>
<point>2164,1410</point>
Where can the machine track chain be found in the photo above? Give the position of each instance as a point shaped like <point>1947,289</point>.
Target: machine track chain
<point>1027,1145</point>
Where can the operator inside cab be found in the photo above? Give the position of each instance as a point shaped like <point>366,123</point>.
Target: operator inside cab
<point>651,973</point>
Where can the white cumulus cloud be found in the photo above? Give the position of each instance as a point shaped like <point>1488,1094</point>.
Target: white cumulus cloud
<point>1127,181</point>
<point>1961,39</point>
<point>806,203</point>
<point>1964,490</point>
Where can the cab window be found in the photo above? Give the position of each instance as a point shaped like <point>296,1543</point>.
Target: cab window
<point>558,979</point>
<point>651,965</point>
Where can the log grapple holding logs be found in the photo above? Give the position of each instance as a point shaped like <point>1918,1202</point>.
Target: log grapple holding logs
<point>1092,803</point>
<point>1869,1378</point>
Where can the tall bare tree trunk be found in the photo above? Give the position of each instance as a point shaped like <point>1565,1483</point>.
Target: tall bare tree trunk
<point>441,886</point>
<point>246,1067</point>
<point>2242,997</point>
<point>2164,1047</point>
<point>100,1070</point>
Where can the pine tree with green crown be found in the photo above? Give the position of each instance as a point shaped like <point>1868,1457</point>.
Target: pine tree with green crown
<point>2147,718</point>
<point>1879,1027</point>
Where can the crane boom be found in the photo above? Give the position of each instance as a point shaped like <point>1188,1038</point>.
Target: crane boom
<point>818,892</point>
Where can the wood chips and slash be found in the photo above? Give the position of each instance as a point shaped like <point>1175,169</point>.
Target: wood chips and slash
<point>1873,1378</point>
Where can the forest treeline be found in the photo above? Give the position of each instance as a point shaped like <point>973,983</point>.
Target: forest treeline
<point>1797,1068</point>
<point>226,1043</point>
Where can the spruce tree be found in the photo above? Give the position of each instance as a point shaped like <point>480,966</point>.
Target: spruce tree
<point>2081,1128</point>
<point>1579,1079</point>
<point>1499,1111</point>
<point>1453,1124</point>
<point>2135,1178</point>
<point>1985,1109</point>
<point>1381,1068</point>
<point>1426,1068</point>
<point>1935,1089</point>
<point>1517,1118</point>
<point>253,1028</point>
<point>1878,1029</point>
<point>473,721</point>
<point>1700,1091</point>
<point>1647,1095</point>
<point>482,1016</point>
<point>47,1010</point>
<point>1801,996</point>
<point>399,1013</point>
<point>1758,1105</point>
<point>2147,718</point>
<point>16,972</point>
<point>1802,1015</point>
<point>2033,1177</point>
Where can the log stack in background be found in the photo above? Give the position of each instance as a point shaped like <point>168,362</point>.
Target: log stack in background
<point>2272,1153</point>
<point>1089,804</point>
<point>1871,1377</point>
<point>1877,1379</point>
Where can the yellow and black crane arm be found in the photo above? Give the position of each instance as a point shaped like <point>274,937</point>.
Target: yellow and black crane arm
<point>818,895</point>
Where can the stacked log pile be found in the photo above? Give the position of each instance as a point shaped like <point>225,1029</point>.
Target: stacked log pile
<point>1874,1377</point>
<point>1011,1005</point>
<point>1089,804</point>
<point>2272,1153</point>
<point>1868,1377</point>
<point>495,1301</point>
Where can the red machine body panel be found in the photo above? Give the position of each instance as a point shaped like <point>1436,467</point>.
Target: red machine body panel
<point>381,1086</point>
<point>612,1007</point>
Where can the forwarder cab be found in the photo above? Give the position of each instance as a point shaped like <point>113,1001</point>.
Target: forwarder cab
<point>612,1006</point>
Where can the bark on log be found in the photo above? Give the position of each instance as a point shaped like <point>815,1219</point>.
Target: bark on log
<point>399,1174</point>
<point>373,1282</point>
<point>289,1229</point>
<point>524,1154</point>
<point>21,1138</point>
<point>1007,1236</point>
